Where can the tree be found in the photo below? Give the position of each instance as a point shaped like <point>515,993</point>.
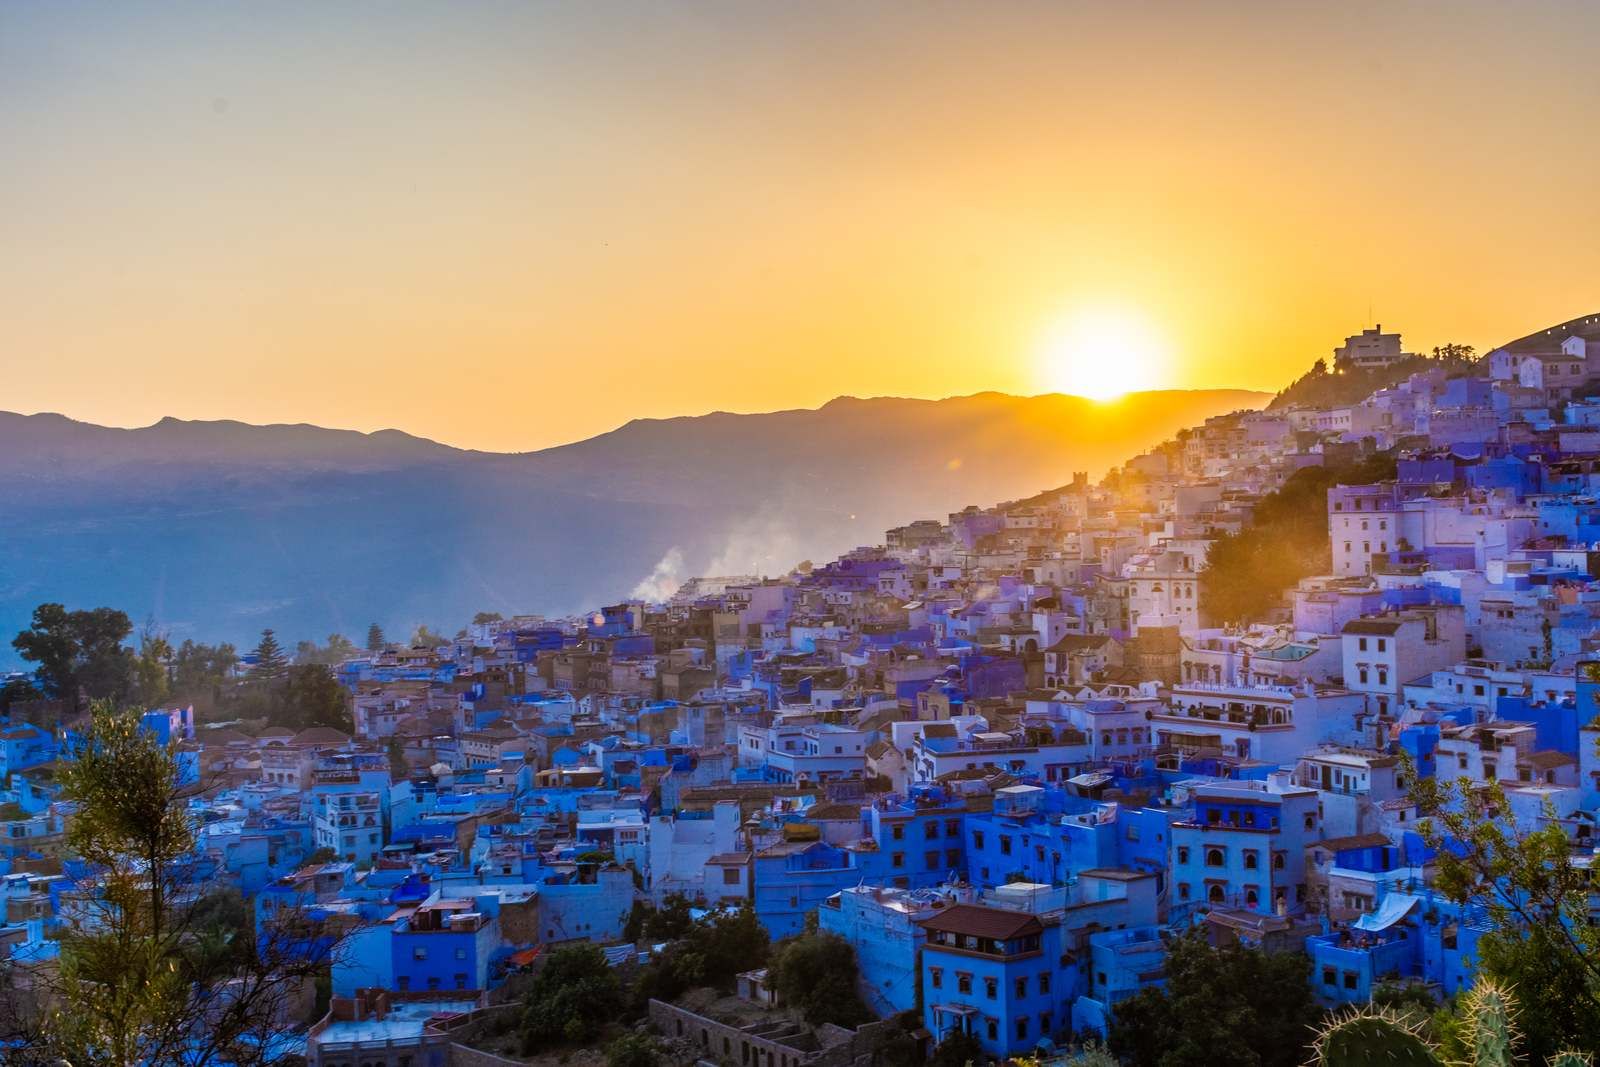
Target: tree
<point>143,954</point>
<point>79,653</point>
<point>153,666</point>
<point>312,696</point>
<point>633,1049</point>
<point>483,617</point>
<point>815,974</point>
<point>426,638</point>
<point>200,671</point>
<point>958,1049</point>
<point>399,766</point>
<point>1535,899</point>
<point>17,690</point>
<point>1220,1005</point>
<point>1247,573</point>
<point>270,660</point>
<point>571,999</point>
<point>338,649</point>
<point>375,641</point>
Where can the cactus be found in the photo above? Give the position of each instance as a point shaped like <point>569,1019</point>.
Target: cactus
<point>1491,1031</point>
<point>1365,1037</point>
<point>1373,1037</point>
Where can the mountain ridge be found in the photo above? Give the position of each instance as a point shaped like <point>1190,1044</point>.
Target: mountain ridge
<point>217,528</point>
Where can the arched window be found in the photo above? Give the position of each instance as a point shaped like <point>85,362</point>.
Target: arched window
<point>1214,894</point>
<point>1214,857</point>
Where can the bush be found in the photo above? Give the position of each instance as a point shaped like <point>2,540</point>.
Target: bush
<point>633,1050</point>
<point>816,975</point>
<point>571,999</point>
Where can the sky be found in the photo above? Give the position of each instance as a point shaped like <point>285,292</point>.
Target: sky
<point>509,225</point>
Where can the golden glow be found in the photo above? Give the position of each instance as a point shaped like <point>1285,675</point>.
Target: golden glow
<point>1102,353</point>
<point>572,215</point>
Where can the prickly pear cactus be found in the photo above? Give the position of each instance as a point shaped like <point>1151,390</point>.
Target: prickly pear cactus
<point>1362,1039</point>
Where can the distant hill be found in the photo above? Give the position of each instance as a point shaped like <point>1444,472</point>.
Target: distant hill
<point>217,529</point>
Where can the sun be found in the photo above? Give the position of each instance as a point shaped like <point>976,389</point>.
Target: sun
<point>1102,353</point>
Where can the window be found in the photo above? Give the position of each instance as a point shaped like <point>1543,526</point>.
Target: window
<point>1277,861</point>
<point>931,860</point>
<point>977,839</point>
<point>1005,844</point>
<point>1383,644</point>
<point>992,1028</point>
<point>1044,981</point>
<point>1045,1024</point>
<point>1021,986</point>
<point>1251,862</point>
<point>1183,890</point>
<point>461,953</point>
<point>1329,976</point>
<point>952,827</point>
<point>1311,821</point>
<point>419,953</point>
<point>963,982</point>
<point>930,829</point>
<point>1183,854</point>
<point>1022,1028</point>
<point>897,832</point>
<point>1349,979</point>
<point>730,876</point>
<point>991,988</point>
<point>1215,858</point>
<point>936,977</point>
<point>898,860</point>
<point>952,857</point>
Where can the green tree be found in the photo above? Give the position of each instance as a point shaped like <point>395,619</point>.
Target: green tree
<point>80,654</point>
<point>487,616</point>
<point>1535,898</point>
<point>633,1049</point>
<point>1247,573</point>
<point>958,1049</point>
<point>200,673</point>
<point>153,667</point>
<point>399,766</point>
<point>312,696</point>
<point>571,999</point>
<point>143,953</point>
<point>1220,1005</point>
<point>16,690</point>
<point>816,974</point>
<point>375,641</point>
<point>270,663</point>
<point>423,637</point>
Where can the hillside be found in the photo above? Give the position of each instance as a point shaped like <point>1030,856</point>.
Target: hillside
<point>216,529</point>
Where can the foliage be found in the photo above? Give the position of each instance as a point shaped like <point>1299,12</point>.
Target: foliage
<point>1220,1005</point>
<point>399,766</point>
<point>712,950</point>
<point>815,974</point>
<point>483,617</point>
<point>141,952</point>
<point>1534,897</point>
<point>152,666</point>
<point>270,661</point>
<point>200,672</point>
<point>79,653</point>
<point>338,649</point>
<point>633,1049</point>
<point>17,690</point>
<point>1321,388</point>
<point>571,999</point>
<point>312,696</point>
<point>1489,1023</point>
<point>958,1049</point>
<point>375,638</point>
<point>1247,573</point>
<point>426,638</point>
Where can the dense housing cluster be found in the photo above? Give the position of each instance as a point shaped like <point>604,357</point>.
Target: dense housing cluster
<point>1003,755</point>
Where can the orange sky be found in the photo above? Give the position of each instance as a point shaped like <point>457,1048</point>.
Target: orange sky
<point>510,225</point>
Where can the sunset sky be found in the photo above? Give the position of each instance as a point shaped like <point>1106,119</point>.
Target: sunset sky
<point>511,225</point>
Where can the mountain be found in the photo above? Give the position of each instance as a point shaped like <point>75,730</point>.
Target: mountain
<point>217,529</point>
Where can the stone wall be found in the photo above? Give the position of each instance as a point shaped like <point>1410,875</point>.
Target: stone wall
<point>778,1043</point>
